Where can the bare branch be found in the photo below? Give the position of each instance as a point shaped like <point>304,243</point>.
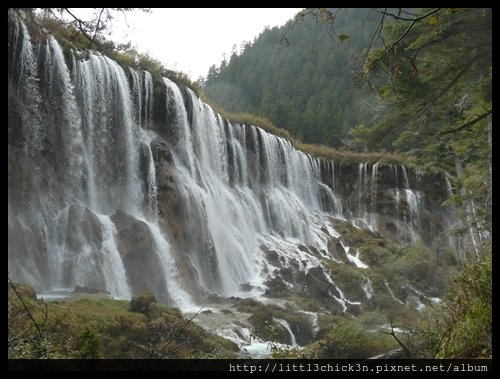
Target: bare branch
<point>415,19</point>
<point>98,24</point>
<point>393,334</point>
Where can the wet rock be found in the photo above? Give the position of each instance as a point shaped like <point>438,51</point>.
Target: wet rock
<point>138,251</point>
<point>83,234</point>
<point>246,287</point>
<point>276,288</point>
<point>272,257</point>
<point>84,289</point>
<point>336,250</point>
<point>317,284</point>
<point>168,194</point>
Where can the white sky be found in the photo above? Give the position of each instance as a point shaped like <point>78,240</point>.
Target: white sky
<point>193,39</point>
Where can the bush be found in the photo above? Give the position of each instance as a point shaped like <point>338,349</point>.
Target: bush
<point>348,339</point>
<point>87,344</point>
<point>142,303</point>
<point>460,327</point>
<point>470,312</point>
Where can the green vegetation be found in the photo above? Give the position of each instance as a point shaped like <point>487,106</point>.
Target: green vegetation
<point>432,108</point>
<point>461,326</point>
<point>303,84</point>
<point>436,106</point>
<point>350,339</point>
<point>264,318</point>
<point>104,328</point>
<point>142,303</point>
<point>87,344</point>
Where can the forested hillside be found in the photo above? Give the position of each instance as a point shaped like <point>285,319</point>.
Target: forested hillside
<point>133,191</point>
<point>304,82</point>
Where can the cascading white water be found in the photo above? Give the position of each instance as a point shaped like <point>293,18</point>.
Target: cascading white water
<point>286,325</point>
<point>412,214</point>
<point>373,216</point>
<point>367,287</point>
<point>94,129</point>
<point>391,292</point>
<point>93,173</point>
<point>362,191</point>
<point>414,218</point>
<point>114,272</point>
<point>406,182</point>
<point>174,282</point>
<point>397,191</point>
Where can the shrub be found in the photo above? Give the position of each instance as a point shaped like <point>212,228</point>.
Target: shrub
<point>87,344</point>
<point>348,339</point>
<point>142,303</point>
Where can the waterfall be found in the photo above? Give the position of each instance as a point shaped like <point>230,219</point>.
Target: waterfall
<point>362,193</point>
<point>353,258</point>
<point>406,182</point>
<point>397,192</point>
<point>373,220</point>
<point>391,292</point>
<point>114,272</point>
<point>412,214</point>
<point>126,182</point>
<point>367,287</point>
<point>178,295</point>
<point>286,325</point>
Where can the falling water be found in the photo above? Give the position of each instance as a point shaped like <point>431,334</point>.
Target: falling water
<point>209,201</point>
<point>114,272</point>
<point>397,191</point>
<point>367,287</point>
<point>286,325</point>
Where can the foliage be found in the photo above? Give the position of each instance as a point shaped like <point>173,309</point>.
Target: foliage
<point>303,85</point>
<point>93,28</point>
<point>142,303</point>
<point>87,344</point>
<point>435,79</point>
<point>437,106</point>
<point>415,263</point>
<point>460,327</point>
<point>104,328</point>
<point>470,312</point>
<point>348,339</point>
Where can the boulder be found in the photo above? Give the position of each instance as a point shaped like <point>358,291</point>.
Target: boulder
<point>138,251</point>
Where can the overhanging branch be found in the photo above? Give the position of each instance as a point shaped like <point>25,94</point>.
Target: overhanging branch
<point>466,125</point>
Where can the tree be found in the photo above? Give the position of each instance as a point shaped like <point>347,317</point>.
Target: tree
<point>87,344</point>
<point>461,326</point>
<point>266,74</point>
<point>92,28</point>
<point>437,105</point>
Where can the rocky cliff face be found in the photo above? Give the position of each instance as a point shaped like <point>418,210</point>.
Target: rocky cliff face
<point>402,204</point>
<point>122,181</point>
